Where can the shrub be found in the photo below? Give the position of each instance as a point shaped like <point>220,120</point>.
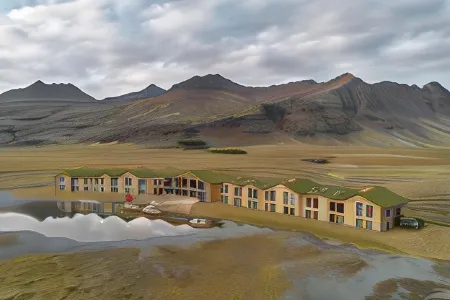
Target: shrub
<point>191,142</point>
<point>227,151</point>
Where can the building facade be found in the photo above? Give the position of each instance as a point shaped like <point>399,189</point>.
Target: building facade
<point>372,208</point>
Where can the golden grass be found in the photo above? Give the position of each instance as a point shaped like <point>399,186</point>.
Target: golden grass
<point>22,166</point>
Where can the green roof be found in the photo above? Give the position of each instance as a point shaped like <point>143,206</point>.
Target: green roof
<point>87,172</point>
<point>380,196</point>
<point>211,176</point>
<point>306,186</point>
<point>260,182</point>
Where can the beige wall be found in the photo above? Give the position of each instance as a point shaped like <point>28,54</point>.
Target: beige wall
<point>66,182</point>
<point>350,213</point>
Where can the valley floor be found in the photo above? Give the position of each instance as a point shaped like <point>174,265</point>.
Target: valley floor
<point>420,174</point>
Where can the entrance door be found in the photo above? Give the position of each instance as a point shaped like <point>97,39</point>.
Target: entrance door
<point>142,186</point>
<point>388,226</point>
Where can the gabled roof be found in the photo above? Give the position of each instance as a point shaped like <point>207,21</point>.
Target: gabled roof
<point>382,196</point>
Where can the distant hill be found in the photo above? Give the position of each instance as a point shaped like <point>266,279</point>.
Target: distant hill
<point>149,92</point>
<point>40,91</point>
<point>344,110</point>
<point>209,81</point>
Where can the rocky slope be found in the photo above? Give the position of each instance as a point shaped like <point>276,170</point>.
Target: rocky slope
<point>343,110</point>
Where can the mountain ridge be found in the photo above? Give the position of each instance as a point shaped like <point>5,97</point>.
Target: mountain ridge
<point>344,109</point>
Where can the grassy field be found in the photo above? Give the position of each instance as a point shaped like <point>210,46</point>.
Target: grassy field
<point>418,174</point>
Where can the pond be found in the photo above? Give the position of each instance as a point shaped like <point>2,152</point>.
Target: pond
<point>183,256</point>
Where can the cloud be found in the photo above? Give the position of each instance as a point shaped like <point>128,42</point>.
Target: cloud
<point>108,47</point>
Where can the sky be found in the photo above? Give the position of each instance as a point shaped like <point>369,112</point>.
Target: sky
<point>111,47</point>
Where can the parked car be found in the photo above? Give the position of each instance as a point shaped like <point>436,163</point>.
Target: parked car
<point>409,223</point>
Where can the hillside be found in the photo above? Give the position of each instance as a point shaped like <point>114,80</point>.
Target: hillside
<point>344,110</point>
<point>149,92</point>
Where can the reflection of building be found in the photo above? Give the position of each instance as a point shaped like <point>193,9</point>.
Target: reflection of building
<point>372,208</point>
<point>89,206</point>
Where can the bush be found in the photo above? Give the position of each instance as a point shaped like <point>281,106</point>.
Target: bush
<point>227,151</point>
<point>397,220</point>
<point>191,142</point>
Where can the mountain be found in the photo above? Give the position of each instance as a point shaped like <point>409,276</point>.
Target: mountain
<point>40,91</point>
<point>149,92</point>
<point>343,110</point>
<point>209,81</point>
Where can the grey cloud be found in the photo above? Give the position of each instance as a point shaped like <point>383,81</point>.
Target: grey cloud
<point>121,45</point>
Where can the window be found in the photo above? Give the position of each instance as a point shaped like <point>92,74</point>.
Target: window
<point>398,211</point>
<point>155,182</point>
<point>266,195</point>
<point>201,185</point>
<point>250,193</point>
<point>237,202</point>
<point>369,225</point>
<point>308,214</point>
<point>238,191</point>
<point>102,189</point>
<point>292,199</point>
<point>255,205</point>
<point>96,180</point>
<point>286,210</point>
<point>266,206</point>
<point>316,215</point>
<point>340,219</point>
<point>127,190</point>
<point>252,204</point>
<point>332,218</point>
<point>62,187</point>
<point>61,180</point>
<point>359,223</point>
<point>388,213</point>
<point>225,188</point>
<point>255,194</point>
<point>369,211</point>
<point>273,195</point>
<point>86,182</point>
<point>224,199</point>
<point>86,188</point>
<point>102,181</point>
<point>332,206</point>
<point>308,202</point>
<point>316,203</point>
<point>128,181</point>
<point>340,208</point>
<point>285,198</point>
<point>193,184</point>
<point>292,211</point>
<point>114,185</point>
<point>272,207</point>
<point>359,209</point>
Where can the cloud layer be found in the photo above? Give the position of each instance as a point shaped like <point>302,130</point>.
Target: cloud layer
<point>109,47</point>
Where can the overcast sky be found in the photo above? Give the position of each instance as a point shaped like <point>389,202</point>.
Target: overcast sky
<point>109,47</point>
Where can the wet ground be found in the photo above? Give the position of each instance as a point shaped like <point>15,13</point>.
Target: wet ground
<point>163,261</point>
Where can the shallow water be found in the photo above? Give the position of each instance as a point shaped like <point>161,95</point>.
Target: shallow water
<point>310,267</point>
